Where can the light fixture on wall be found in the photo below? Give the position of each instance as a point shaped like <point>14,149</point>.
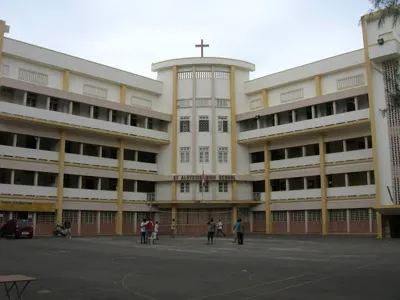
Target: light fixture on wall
<point>381,41</point>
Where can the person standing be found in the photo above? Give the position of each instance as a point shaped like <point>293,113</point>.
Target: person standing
<point>67,228</point>
<point>211,231</point>
<point>156,230</point>
<point>219,228</point>
<point>235,230</point>
<point>240,232</point>
<point>149,229</point>
<point>143,232</point>
<point>173,226</point>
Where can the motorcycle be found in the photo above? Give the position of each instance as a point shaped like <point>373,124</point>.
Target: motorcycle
<point>59,231</point>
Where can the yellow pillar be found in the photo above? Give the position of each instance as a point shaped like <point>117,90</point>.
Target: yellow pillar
<point>232,80</point>
<point>265,98</point>
<point>368,69</point>
<point>268,214</point>
<point>65,83</point>
<point>322,170</point>
<point>120,189</point>
<point>60,178</point>
<point>122,94</point>
<point>3,30</point>
<point>174,141</point>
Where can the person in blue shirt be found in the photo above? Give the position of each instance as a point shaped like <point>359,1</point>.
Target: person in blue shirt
<point>235,228</point>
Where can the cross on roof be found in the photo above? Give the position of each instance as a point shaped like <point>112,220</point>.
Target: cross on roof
<point>202,46</point>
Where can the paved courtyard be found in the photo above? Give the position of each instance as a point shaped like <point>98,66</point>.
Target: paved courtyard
<point>185,268</point>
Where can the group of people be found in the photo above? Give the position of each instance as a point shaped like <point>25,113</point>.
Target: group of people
<point>148,231</point>
<point>238,231</point>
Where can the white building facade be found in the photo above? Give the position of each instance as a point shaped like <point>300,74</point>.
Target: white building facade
<point>306,150</point>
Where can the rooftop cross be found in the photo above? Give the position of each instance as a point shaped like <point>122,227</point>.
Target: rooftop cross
<point>202,46</point>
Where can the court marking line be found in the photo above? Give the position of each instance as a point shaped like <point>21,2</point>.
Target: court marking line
<point>251,287</point>
<point>132,291</point>
<point>311,281</point>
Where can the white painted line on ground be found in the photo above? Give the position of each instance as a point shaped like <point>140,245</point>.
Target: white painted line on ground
<point>303,259</point>
<point>294,250</point>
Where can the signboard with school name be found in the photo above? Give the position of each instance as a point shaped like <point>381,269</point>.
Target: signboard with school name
<point>207,177</point>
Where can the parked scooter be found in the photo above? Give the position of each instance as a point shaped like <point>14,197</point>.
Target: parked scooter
<point>59,231</point>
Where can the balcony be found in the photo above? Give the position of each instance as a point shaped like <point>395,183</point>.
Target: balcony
<point>90,160</point>
<point>257,167</point>
<point>296,194</point>
<point>348,156</point>
<point>134,196</point>
<point>140,166</point>
<point>317,123</point>
<point>28,153</point>
<point>57,118</point>
<point>89,194</point>
<point>259,197</point>
<point>389,50</point>
<point>361,190</point>
<point>28,190</point>
<point>295,162</point>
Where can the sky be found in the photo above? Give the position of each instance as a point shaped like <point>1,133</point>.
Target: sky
<point>132,34</point>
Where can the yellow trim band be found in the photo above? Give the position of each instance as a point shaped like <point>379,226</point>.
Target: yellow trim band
<point>122,94</point>
<point>265,98</point>
<point>65,82</point>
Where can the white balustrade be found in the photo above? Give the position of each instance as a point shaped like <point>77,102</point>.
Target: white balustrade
<point>28,190</point>
<point>295,162</point>
<point>257,167</point>
<point>28,153</point>
<point>349,155</point>
<point>89,194</point>
<point>90,160</point>
<point>296,194</point>
<point>351,191</point>
<point>136,165</point>
<point>134,196</point>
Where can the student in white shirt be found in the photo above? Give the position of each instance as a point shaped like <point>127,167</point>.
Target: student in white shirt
<point>143,232</point>
<point>156,231</point>
<point>219,228</point>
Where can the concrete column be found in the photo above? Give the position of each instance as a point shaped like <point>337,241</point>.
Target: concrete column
<point>370,219</point>
<point>129,122</point>
<point>100,151</point>
<point>91,111</point>
<point>79,182</point>
<point>81,148</point>
<point>146,122</point>
<point>99,183</point>
<point>334,107</point>
<point>275,120</point>
<point>135,186</point>
<point>346,179</point>
<point>10,215</point>
<point>286,153</point>
<point>70,107</point>
<point>348,220</point>
<point>287,184</point>
<point>344,145</point>
<point>37,143</point>
<point>35,178</point>
<point>135,221</point>
<point>287,221</point>
<point>366,142</point>
<point>251,220</point>
<point>136,155</point>
<point>293,116</point>
<point>25,98</point>
<point>12,177</point>
<point>369,177</point>
<point>306,221</point>
<point>258,123</point>
<point>356,102</point>
<point>34,217</point>
<point>15,138</point>
<point>305,183</point>
<point>79,221</point>
<point>313,111</point>
<point>48,99</point>
<point>110,113</point>
<point>98,222</point>
<point>304,151</point>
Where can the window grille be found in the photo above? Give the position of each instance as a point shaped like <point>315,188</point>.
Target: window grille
<point>222,154</point>
<point>184,124</point>
<point>204,124</point>
<point>337,215</point>
<point>204,188</point>
<point>185,154</point>
<point>204,155</point>
<point>222,187</point>
<point>222,124</point>
<point>279,216</point>
<point>185,187</point>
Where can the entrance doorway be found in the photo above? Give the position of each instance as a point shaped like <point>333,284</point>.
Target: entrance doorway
<point>394,222</point>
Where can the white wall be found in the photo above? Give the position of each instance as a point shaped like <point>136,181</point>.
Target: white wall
<point>141,99</point>
<point>291,93</point>
<point>54,76</point>
<point>351,78</point>
<point>163,191</point>
<point>164,102</point>
<point>241,100</point>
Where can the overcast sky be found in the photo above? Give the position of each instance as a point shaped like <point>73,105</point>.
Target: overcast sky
<point>132,34</point>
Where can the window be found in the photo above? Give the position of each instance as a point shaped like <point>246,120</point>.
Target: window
<point>53,104</point>
<point>222,124</point>
<point>223,187</point>
<point>204,124</point>
<point>205,186</point>
<point>204,156</point>
<point>149,123</point>
<point>96,112</point>
<point>31,100</point>
<point>184,124</point>
<point>185,187</point>
<point>185,154</point>
<point>222,154</point>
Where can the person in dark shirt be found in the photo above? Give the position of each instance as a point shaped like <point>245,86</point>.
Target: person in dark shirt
<point>240,232</point>
<point>67,228</point>
<point>211,231</point>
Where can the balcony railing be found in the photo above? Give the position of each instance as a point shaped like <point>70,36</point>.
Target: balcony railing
<point>361,190</point>
<point>27,190</point>
<point>295,162</point>
<point>141,166</point>
<point>83,122</point>
<point>305,125</point>
<point>259,196</point>
<point>28,153</point>
<point>349,155</point>
<point>89,194</point>
<point>135,196</point>
<point>296,194</point>
<point>90,160</point>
